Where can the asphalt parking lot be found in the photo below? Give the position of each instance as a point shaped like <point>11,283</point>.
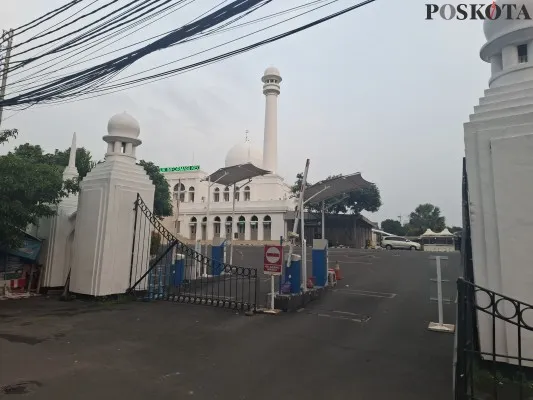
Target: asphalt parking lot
<point>367,339</point>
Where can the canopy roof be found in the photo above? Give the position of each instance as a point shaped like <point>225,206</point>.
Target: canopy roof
<point>231,175</point>
<point>445,232</point>
<point>333,187</point>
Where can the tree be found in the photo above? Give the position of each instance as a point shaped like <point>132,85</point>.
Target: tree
<point>364,199</point>
<point>162,203</point>
<point>454,229</point>
<point>393,226</point>
<point>426,216</point>
<point>28,191</point>
<point>6,134</point>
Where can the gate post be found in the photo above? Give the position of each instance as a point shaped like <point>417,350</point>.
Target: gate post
<point>136,209</point>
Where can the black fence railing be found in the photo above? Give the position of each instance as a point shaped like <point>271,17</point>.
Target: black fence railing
<point>483,372</point>
<point>500,364</point>
<point>165,268</point>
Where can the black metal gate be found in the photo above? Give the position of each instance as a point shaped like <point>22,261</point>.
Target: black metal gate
<point>165,268</point>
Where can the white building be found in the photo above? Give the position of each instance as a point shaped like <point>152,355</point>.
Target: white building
<point>499,162</point>
<point>260,205</point>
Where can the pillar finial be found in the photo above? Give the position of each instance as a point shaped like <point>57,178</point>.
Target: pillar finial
<point>72,157</point>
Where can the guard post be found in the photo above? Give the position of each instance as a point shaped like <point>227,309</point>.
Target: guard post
<point>293,273</point>
<point>218,255</point>
<point>320,261</point>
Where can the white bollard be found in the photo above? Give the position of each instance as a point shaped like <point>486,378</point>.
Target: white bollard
<point>440,326</point>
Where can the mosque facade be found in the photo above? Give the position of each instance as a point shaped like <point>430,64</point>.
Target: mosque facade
<point>260,204</point>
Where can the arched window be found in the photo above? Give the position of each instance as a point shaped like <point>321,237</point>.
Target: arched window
<point>253,227</point>
<point>216,196</point>
<point>179,192</point>
<point>204,228</point>
<point>241,227</point>
<point>267,228</point>
<point>216,225</point>
<point>191,194</point>
<point>204,220</point>
<point>226,194</point>
<point>237,195</point>
<point>247,193</point>
<point>229,227</point>
<point>192,228</point>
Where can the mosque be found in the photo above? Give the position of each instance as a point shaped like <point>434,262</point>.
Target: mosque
<point>264,207</point>
<point>260,205</point>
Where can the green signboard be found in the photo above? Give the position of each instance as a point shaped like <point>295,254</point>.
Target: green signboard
<point>180,169</point>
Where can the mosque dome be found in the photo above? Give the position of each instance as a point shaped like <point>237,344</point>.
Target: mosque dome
<point>123,124</point>
<point>271,71</point>
<point>243,153</point>
<point>501,26</point>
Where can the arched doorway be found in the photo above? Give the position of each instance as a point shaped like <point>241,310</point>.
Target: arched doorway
<point>216,226</point>
<point>192,228</point>
<point>267,228</point>
<point>229,228</point>
<point>242,228</point>
<point>254,228</point>
<point>204,228</point>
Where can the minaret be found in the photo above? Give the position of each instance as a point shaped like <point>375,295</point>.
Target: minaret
<point>71,170</point>
<point>271,80</point>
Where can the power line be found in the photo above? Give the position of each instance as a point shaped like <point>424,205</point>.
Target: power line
<point>37,77</point>
<point>178,71</point>
<point>43,18</point>
<point>78,81</point>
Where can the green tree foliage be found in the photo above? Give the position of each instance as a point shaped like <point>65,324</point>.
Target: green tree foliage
<point>7,134</point>
<point>393,226</point>
<point>423,217</point>
<point>454,229</point>
<point>28,191</point>
<point>162,202</point>
<point>365,199</point>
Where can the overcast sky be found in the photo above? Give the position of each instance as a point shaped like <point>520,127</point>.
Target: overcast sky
<point>379,90</point>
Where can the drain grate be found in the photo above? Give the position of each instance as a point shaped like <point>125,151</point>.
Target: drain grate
<point>20,388</point>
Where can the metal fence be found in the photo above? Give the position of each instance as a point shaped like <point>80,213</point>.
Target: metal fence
<point>164,268</point>
<point>488,375</point>
<point>492,374</point>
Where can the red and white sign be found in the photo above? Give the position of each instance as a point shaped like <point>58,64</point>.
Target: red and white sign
<point>273,260</point>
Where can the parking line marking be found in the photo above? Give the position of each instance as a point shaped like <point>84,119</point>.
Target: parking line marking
<point>366,293</point>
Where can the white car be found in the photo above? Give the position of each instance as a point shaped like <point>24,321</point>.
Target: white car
<point>396,242</point>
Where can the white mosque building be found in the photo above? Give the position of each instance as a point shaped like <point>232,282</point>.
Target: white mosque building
<point>260,205</point>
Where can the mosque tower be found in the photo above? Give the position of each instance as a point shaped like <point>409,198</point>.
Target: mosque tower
<point>271,89</point>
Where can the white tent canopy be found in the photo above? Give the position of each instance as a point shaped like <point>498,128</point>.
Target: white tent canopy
<point>429,232</point>
<point>445,232</point>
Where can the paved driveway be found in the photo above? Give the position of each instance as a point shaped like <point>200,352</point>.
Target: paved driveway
<point>368,339</point>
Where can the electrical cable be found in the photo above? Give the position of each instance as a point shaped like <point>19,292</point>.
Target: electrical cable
<point>85,46</point>
<point>48,14</point>
<point>62,87</point>
<point>177,71</point>
<point>204,35</point>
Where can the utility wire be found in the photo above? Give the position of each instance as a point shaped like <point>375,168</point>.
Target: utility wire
<point>37,76</point>
<point>177,71</point>
<point>45,17</point>
<point>77,81</point>
<point>88,45</point>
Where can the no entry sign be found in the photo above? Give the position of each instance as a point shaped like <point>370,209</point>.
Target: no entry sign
<point>273,260</point>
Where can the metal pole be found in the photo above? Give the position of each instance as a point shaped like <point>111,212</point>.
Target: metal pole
<point>5,68</point>
<point>323,219</point>
<point>232,225</point>
<point>178,226</point>
<point>296,214</point>
<point>439,291</point>
<point>304,250</point>
<point>272,292</point>
<point>208,208</point>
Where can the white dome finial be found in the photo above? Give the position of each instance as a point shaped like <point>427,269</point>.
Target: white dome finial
<point>124,125</point>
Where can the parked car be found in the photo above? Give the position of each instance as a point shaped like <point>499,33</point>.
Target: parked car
<point>396,242</point>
